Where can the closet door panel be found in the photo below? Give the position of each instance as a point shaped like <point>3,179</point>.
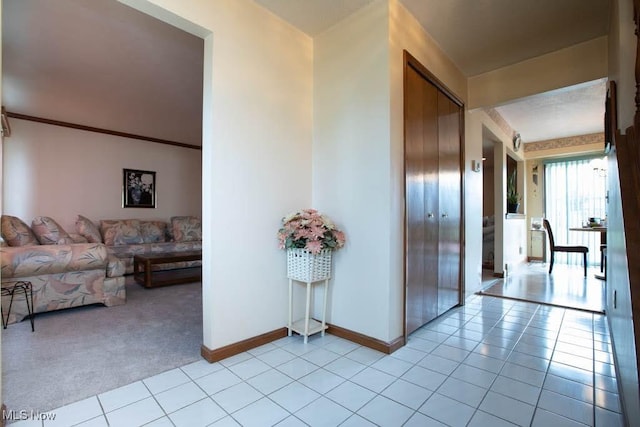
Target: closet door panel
<point>449,261</point>
<point>422,198</point>
<point>414,188</point>
<point>432,200</point>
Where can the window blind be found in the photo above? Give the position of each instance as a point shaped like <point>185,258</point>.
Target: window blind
<point>574,191</point>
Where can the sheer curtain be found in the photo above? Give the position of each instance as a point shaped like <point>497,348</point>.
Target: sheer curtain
<point>573,192</point>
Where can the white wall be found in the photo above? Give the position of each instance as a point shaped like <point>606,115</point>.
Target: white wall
<point>61,172</point>
<point>474,203</point>
<point>257,131</point>
<point>351,168</point>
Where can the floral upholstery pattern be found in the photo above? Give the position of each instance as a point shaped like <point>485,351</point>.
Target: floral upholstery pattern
<point>16,233</point>
<point>115,267</point>
<point>121,232</point>
<point>62,276</point>
<point>49,259</point>
<point>85,227</point>
<point>153,231</point>
<point>186,228</point>
<point>49,232</point>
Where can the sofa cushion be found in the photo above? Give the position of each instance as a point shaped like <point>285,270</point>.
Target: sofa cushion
<point>49,232</point>
<point>121,232</point>
<point>78,238</point>
<point>186,228</point>
<point>16,233</point>
<point>85,227</point>
<point>153,231</point>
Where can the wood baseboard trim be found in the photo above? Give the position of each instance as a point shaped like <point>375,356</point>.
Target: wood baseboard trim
<point>221,353</point>
<point>367,341</point>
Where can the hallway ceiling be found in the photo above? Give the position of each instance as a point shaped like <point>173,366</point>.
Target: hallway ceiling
<point>478,35</point>
<point>483,35</point>
<point>571,111</point>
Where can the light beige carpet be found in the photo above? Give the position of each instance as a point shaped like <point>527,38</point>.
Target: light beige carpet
<point>80,352</point>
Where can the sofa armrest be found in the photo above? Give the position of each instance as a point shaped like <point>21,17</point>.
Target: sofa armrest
<point>115,266</point>
<point>25,261</point>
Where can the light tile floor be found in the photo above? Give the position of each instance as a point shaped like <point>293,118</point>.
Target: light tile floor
<point>493,362</point>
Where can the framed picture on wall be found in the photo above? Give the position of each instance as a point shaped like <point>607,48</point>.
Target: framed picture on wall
<point>138,189</point>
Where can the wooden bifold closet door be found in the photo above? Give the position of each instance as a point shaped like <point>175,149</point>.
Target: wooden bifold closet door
<point>433,123</point>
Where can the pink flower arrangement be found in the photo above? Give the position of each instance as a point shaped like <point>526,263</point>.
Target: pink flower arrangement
<point>308,229</point>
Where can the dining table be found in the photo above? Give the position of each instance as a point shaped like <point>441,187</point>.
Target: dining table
<point>602,229</point>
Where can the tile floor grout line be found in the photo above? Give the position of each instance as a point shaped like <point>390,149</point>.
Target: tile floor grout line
<point>510,316</point>
<point>504,364</point>
<point>546,373</point>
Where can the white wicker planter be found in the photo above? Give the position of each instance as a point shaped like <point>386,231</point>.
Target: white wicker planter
<point>304,266</point>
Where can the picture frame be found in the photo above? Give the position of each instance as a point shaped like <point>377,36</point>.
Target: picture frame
<point>138,188</point>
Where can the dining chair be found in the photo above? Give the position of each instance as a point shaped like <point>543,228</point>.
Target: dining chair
<point>569,249</point>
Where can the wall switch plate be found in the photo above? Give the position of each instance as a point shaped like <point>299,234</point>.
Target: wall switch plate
<point>476,165</point>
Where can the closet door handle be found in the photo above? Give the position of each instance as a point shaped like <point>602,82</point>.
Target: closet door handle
<point>444,215</point>
<point>430,215</point>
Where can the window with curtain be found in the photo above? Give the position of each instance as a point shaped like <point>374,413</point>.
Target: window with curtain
<point>575,190</point>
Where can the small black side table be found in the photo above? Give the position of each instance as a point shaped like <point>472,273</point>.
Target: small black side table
<point>9,291</point>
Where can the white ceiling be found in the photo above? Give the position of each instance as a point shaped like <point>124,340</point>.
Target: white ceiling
<point>572,111</point>
<point>478,35</point>
<point>482,35</point>
<point>91,63</point>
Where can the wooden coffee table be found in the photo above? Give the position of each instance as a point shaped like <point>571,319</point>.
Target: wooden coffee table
<point>149,278</point>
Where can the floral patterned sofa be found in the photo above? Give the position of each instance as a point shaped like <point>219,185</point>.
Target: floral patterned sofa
<point>64,270</point>
<point>125,238</point>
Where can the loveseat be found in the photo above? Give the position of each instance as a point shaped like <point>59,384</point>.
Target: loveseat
<point>62,273</point>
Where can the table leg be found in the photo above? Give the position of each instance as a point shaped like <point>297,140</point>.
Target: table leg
<point>5,322</point>
<point>28,298</point>
<point>147,274</point>
<point>603,241</point>
<point>307,312</point>
<point>324,305</point>
<point>289,324</point>
<point>27,289</point>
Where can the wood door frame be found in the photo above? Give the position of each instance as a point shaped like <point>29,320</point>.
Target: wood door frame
<point>410,61</point>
